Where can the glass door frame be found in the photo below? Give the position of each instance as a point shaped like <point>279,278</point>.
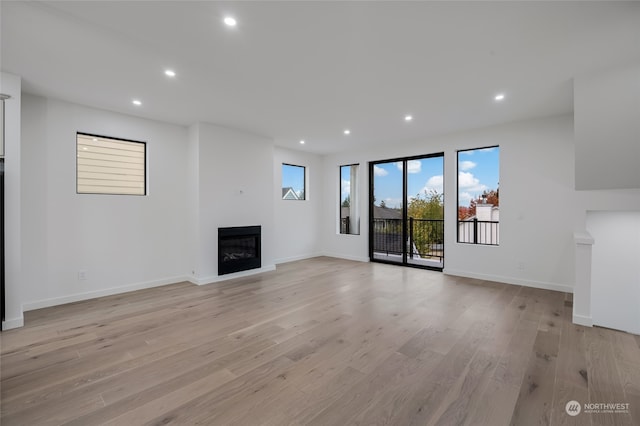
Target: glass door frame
<point>405,202</point>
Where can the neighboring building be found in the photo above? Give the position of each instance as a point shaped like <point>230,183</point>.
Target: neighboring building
<point>289,194</point>
<point>483,228</point>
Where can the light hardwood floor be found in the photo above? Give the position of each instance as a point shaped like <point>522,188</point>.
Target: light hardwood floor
<point>321,342</point>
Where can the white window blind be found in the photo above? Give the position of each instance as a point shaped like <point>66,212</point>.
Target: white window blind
<point>110,166</point>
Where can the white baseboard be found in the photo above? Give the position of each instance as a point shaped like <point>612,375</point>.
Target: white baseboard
<point>582,320</point>
<point>295,258</point>
<point>217,278</point>
<point>510,280</point>
<point>13,323</point>
<point>45,303</point>
<point>346,257</point>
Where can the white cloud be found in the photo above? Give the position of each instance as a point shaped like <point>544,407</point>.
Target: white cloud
<point>346,186</point>
<point>435,183</point>
<point>468,152</point>
<point>464,198</point>
<point>466,165</point>
<point>379,171</point>
<point>413,166</point>
<point>393,203</point>
<point>487,149</point>
<point>468,182</point>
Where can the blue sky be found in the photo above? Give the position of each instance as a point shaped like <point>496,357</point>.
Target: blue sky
<point>478,171</point>
<point>422,175</point>
<point>293,176</point>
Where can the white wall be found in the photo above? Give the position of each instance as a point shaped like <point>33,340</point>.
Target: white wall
<point>11,85</point>
<point>607,129</point>
<point>297,221</point>
<point>615,277</point>
<point>536,166</point>
<point>122,242</point>
<point>235,188</point>
<point>347,246</point>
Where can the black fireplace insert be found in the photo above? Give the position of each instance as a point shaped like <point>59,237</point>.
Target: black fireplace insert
<point>238,249</point>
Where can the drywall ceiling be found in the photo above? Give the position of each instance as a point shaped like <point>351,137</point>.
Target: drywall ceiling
<point>310,70</point>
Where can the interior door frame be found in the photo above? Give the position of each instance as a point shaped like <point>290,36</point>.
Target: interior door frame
<point>405,198</point>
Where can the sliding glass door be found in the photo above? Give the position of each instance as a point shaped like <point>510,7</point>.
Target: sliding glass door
<point>407,211</point>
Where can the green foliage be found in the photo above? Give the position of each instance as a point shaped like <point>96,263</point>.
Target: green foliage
<point>428,234</point>
<point>347,201</point>
<point>429,207</point>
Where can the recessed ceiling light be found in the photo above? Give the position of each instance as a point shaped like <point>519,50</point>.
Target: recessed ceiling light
<point>408,118</point>
<point>347,132</point>
<point>136,102</point>
<point>231,22</point>
<point>170,73</point>
<point>301,142</point>
<point>499,97</point>
<point>95,139</point>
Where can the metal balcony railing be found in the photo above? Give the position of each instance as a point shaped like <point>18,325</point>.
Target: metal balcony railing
<point>425,238</point>
<point>479,232</point>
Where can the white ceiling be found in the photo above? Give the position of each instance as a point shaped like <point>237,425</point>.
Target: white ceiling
<point>308,70</point>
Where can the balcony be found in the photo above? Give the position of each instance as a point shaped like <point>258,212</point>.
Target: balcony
<point>424,245</point>
<point>474,231</point>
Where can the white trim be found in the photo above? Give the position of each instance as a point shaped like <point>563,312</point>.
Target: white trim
<point>582,320</point>
<point>13,323</point>
<point>346,257</point>
<point>511,280</point>
<point>583,238</point>
<point>217,278</point>
<point>295,258</point>
<point>45,303</point>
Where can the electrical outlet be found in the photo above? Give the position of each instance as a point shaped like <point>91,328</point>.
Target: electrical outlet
<point>82,274</point>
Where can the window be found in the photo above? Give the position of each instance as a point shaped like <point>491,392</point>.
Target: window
<point>293,182</point>
<point>2,99</point>
<point>110,166</point>
<point>349,208</point>
<point>479,196</point>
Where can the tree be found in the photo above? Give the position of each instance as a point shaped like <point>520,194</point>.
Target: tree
<point>383,204</point>
<point>347,201</point>
<point>490,197</point>
<point>428,231</point>
<point>429,207</point>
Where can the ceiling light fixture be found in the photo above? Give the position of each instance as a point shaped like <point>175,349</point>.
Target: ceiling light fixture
<point>170,73</point>
<point>230,22</point>
<point>408,118</point>
<point>499,97</point>
<point>301,142</point>
<point>136,102</point>
<point>347,132</point>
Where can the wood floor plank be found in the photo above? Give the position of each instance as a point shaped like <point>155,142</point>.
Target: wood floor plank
<point>534,403</point>
<point>571,375</point>
<point>319,341</point>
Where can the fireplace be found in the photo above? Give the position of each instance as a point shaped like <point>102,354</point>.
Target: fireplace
<point>238,249</point>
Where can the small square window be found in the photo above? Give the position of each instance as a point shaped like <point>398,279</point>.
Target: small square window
<point>293,182</point>
<point>110,166</point>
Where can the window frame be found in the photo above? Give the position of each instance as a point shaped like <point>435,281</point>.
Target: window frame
<point>304,182</point>
<point>458,221</point>
<point>351,198</point>
<point>145,165</point>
